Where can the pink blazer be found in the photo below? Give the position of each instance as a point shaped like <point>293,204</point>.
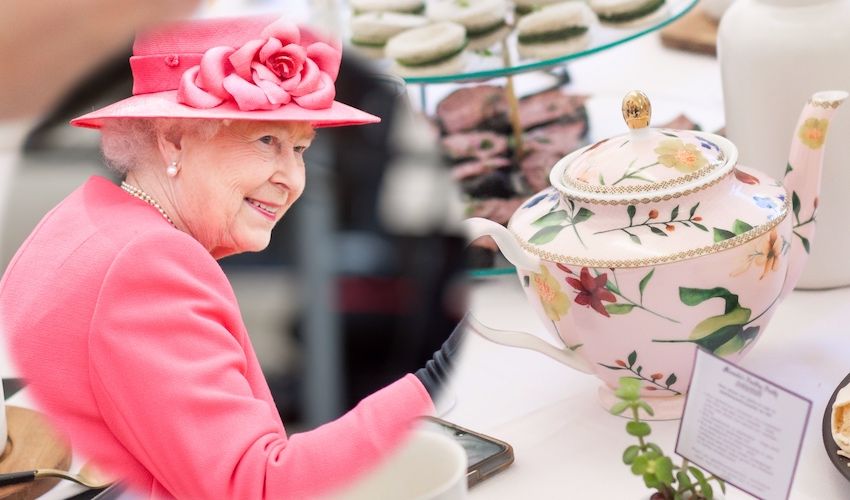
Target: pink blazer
<point>132,341</point>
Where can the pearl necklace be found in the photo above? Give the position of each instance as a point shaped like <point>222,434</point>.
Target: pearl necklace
<point>138,193</point>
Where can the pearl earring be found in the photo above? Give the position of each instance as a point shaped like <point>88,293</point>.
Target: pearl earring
<point>171,170</point>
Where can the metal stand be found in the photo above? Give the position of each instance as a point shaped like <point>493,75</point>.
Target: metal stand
<point>323,384</point>
<point>513,105</point>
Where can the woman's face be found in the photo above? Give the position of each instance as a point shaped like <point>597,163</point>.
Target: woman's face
<point>232,189</point>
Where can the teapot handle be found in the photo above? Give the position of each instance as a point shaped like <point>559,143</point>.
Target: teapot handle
<point>507,243</point>
<point>477,227</point>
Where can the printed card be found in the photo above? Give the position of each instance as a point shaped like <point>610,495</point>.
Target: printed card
<point>742,428</point>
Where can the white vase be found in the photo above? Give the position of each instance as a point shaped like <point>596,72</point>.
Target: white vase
<point>773,55</point>
<point>715,8</point>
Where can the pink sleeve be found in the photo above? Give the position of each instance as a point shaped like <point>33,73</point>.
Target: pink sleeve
<point>171,381</point>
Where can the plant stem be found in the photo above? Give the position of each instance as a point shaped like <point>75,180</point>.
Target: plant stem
<point>684,468</point>
<point>692,488</point>
<point>636,418</point>
<point>573,224</point>
<point>647,224</point>
<point>802,238</point>
<point>578,235</point>
<point>614,275</point>
<point>631,175</point>
<point>513,106</point>
<point>801,224</point>
<point>645,309</point>
<point>570,347</point>
<point>763,312</point>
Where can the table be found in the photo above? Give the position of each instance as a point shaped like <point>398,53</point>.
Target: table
<point>567,446</point>
<point>63,489</point>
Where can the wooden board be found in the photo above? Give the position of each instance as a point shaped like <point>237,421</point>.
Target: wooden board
<point>32,444</point>
<point>694,32</point>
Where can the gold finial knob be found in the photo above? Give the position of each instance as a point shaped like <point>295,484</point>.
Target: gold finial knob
<point>636,109</point>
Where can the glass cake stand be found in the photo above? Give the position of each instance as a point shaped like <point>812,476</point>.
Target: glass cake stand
<point>502,60</point>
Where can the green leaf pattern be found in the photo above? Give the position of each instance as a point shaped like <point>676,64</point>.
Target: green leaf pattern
<point>796,206</point>
<point>644,281</point>
<point>723,334</point>
<point>555,221</point>
<point>739,227</point>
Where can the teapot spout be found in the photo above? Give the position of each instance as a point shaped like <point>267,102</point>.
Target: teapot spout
<point>803,176</point>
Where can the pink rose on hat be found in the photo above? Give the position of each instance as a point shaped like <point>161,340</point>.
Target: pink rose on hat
<point>264,73</point>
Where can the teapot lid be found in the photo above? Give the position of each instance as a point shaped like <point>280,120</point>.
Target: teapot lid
<point>649,197</point>
<point>643,161</point>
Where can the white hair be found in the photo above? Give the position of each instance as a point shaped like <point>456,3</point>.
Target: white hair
<point>128,143</point>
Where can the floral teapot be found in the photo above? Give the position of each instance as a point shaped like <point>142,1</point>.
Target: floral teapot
<point>656,242</point>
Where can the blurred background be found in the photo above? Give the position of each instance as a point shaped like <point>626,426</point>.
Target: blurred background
<point>362,281</point>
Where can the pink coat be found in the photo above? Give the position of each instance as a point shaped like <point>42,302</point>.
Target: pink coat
<point>131,338</point>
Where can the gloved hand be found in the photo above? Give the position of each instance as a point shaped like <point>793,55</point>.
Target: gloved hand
<point>435,374</point>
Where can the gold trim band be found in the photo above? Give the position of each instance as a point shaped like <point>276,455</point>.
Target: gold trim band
<point>826,104</point>
<point>656,199</point>
<point>588,188</point>
<point>652,261</point>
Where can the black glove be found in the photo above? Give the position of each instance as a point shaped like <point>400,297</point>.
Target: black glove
<point>436,372</point>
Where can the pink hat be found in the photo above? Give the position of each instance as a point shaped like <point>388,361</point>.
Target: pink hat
<point>246,68</point>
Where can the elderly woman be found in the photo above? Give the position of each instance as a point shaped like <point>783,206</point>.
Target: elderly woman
<point>117,312</point>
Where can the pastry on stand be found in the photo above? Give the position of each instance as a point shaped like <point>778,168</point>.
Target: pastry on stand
<point>402,6</point>
<point>629,13</point>
<point>554,31</point>
<point>371,31</point>
<point>523,7</point>
<point>485,20</point>
<point>841,421</point>
<point>432,50</point>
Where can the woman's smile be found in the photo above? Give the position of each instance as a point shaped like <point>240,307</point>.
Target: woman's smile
<point>266,209</point>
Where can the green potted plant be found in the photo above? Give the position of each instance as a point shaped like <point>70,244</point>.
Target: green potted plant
<point>647,459</point>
